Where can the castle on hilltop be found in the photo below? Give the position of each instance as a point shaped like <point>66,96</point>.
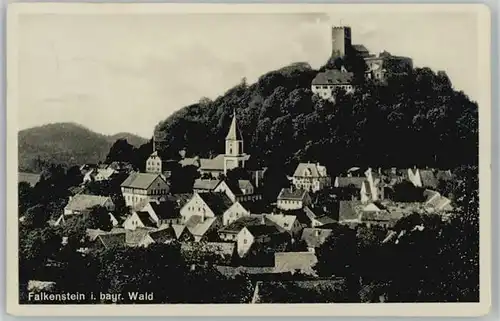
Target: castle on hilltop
<point>379,66</point>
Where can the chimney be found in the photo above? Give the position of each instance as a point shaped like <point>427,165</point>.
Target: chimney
<point>262,219</point>
<point>393,170</point>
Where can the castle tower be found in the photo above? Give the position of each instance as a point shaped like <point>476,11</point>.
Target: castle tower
<point>341,41</point>
<point>234,156</point>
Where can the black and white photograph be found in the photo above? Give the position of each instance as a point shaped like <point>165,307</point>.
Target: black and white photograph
<point>222,156</point>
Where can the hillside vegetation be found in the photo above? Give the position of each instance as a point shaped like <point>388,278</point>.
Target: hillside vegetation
<point>67,144</point>
<point>416,119</point>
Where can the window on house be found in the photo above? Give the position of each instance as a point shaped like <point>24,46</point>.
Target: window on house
<point>245,241</point>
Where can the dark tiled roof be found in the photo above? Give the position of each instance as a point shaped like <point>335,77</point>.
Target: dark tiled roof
<point>146,219</point>
<point>263,229</point>
<point>360,48</point>
<point>112,240</point>
<point>180,199</point>
<point>164,235</point>
<point>333,77</point>
<point>234,187</point>
<point>134,237</point>
<point>165,210</point>
<point>292,194</point>
<point>255,206</point>
<point>239,224</point>
<point>217,202</point>
<point>139,180</point>
<point>314,237</point>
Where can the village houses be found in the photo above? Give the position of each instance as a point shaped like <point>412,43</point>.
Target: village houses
<point>311,177</point>
<point>140,188</point>
<point>233,157</point>
<point>292,198</point>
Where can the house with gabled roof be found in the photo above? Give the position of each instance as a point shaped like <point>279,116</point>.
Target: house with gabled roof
<point>325,83</point>
<point>206,205</point>
<point>110,240</point>
<point>83,203</point>
<point>315,237</point>
<point>164,212</point>
<point>231,231</point>
<point>311,177</point>
<point>203,228</point>
<point>99,175</point>
<point>292,198</point>
<point>262,232</point>
<point>233,213</point>
<point>138,238</point>
<point>435,202</point>
<point>242,190</point>
<point>140,188</point>
<point>140,219</point>
<point>205,185</point>
<point>171,233</point>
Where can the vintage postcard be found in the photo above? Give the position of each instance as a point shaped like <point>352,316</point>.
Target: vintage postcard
<point>248,160</point>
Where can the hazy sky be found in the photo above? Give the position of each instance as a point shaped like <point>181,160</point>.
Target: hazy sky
<point>114,73</point>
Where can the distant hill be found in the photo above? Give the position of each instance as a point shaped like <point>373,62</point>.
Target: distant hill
<point>65,143</point>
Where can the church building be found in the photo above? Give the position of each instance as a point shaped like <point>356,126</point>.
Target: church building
<point>233,157</point>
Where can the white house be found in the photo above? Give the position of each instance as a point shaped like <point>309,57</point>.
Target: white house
<point>140,188</point>
<point>205,185</point>
<point>242,191</point>
<point>414,177</point>
<point>251,234</point>
<point>289,223</point>
<point>326,83</point>
<point>311,177</point>
<point>140,219</point>
<point>206,205</point>
<point>293,199</point>
<point>82,203</point>
<point>233,213</point>
<point>98,175</point>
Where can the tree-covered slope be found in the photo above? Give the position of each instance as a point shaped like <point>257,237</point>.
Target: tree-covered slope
<point>416,119</point>
<point>64,143</point>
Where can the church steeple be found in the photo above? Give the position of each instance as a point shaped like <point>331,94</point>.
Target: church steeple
<point>234,157</point>
<point>234,133</point>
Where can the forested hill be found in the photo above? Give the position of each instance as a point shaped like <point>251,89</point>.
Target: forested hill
<point>67,144</point>
<point>417,119</point>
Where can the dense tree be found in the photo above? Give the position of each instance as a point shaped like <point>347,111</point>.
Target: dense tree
<point>98,218</point>
<point>120,151</point>
<point>405,191</point>
<point>25,194</point>
<point>36,216</point>
<point>403,123</point>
